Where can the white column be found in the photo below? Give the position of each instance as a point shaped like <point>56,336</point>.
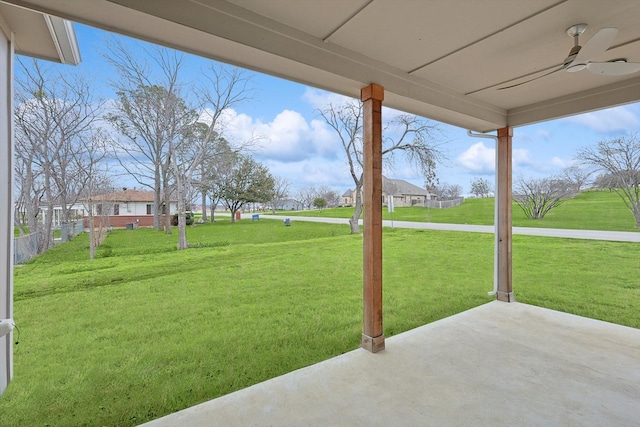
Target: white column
<point>6,205</point>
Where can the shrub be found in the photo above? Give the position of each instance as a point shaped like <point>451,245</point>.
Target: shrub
<point>188,216</point>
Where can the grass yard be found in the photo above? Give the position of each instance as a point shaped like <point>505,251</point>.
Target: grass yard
<point>145,330</point>
<point>590,210</point>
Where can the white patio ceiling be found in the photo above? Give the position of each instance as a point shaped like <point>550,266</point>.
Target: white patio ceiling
<point>38,35</point>
<point>439,59</point>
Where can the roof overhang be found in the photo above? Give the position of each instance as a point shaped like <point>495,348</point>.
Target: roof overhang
<point>442,60</point>
<point>40,35</point>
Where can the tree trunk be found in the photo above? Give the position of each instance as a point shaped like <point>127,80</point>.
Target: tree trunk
<point>45,238</point>
<point>353,221</point>
<point>92,233</point>
<point>157,195</point>
<point>167,211</point>
<point>182,230</point>
<point>182,220</point>
<point>213,203</point>
<point>204,207</point>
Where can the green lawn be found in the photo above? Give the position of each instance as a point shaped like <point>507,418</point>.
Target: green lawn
<point>145,330</point>
<point>590,210</point>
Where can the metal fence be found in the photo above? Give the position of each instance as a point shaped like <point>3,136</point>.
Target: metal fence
<point>69,231</point>
<point>25,248</point>
<point>443,204</point>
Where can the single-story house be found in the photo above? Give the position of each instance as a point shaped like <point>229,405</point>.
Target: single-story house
<point>126,207</point>
<point>404,193</point>
<point>77,211</point>
<point>347,198</point>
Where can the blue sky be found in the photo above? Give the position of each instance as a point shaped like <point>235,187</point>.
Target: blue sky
<point>297,145</point>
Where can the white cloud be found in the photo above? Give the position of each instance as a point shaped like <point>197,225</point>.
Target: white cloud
<point>544,134</point>
<point>310,172</point>
<point>320,99</point>
<point>288,137</point>
<point>478,159</point>
<point>605,121</point>
<point>561,163</point>
<point>521,158</point>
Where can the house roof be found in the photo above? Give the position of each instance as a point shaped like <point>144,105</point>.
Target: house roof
<point>399,187</point>
<point>126,196</point>
<point>444,60</point>
<point>348,193</point>
<point>40,35</point>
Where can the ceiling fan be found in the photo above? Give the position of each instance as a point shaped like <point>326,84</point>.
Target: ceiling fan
<point>580,56</point>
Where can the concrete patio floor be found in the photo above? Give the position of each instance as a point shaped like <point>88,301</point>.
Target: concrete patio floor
<point>498,364</point>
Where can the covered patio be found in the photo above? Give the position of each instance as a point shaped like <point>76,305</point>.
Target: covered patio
<point>545,369</point>
<point>460,63</point>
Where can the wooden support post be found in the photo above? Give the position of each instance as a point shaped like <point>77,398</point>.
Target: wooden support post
<point>372,335</point>
<point>503,169</point>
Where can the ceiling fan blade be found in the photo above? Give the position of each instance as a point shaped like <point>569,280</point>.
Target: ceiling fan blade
<point>596,46</point>
<point>535,78</point>
<point>613,68</point>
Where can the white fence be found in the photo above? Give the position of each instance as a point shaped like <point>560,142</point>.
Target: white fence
<point>443,204</point>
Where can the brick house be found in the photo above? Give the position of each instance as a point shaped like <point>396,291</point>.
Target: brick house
<point>126,207</point>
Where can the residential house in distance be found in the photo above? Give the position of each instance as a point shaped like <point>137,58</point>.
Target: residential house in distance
<point>127,207</point>
<point>76,212</point>
<point>289,205</point>
<point>404,193</point>
<point>347,198</point>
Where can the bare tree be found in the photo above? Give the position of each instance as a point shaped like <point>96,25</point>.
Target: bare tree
<point>223,89</point>
<point>605,181</point>
<point>445,190</point>
<point>56,118</point>
<point>437,190</point>
<point>167,136</point>
<point>99,183</point>
<point>577,176</point>
<point>280,192</point>
<point>186,156</point>
<point>453,191</point>
<point>409,136</point>
<point>480,187</point>
<point>536,197</point>
<point>346,121</point>
<point>620,159</point>
<point>217,168</point>
<point>151,114</point>
<point>332,197</point>
<point>305,196</point>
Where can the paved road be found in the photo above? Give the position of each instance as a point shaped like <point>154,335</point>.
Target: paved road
<point>616,236</point>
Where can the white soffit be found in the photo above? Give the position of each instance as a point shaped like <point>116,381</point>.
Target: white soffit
<point>64,39</point>
<point>439,59</point>
<point>41,36</point>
